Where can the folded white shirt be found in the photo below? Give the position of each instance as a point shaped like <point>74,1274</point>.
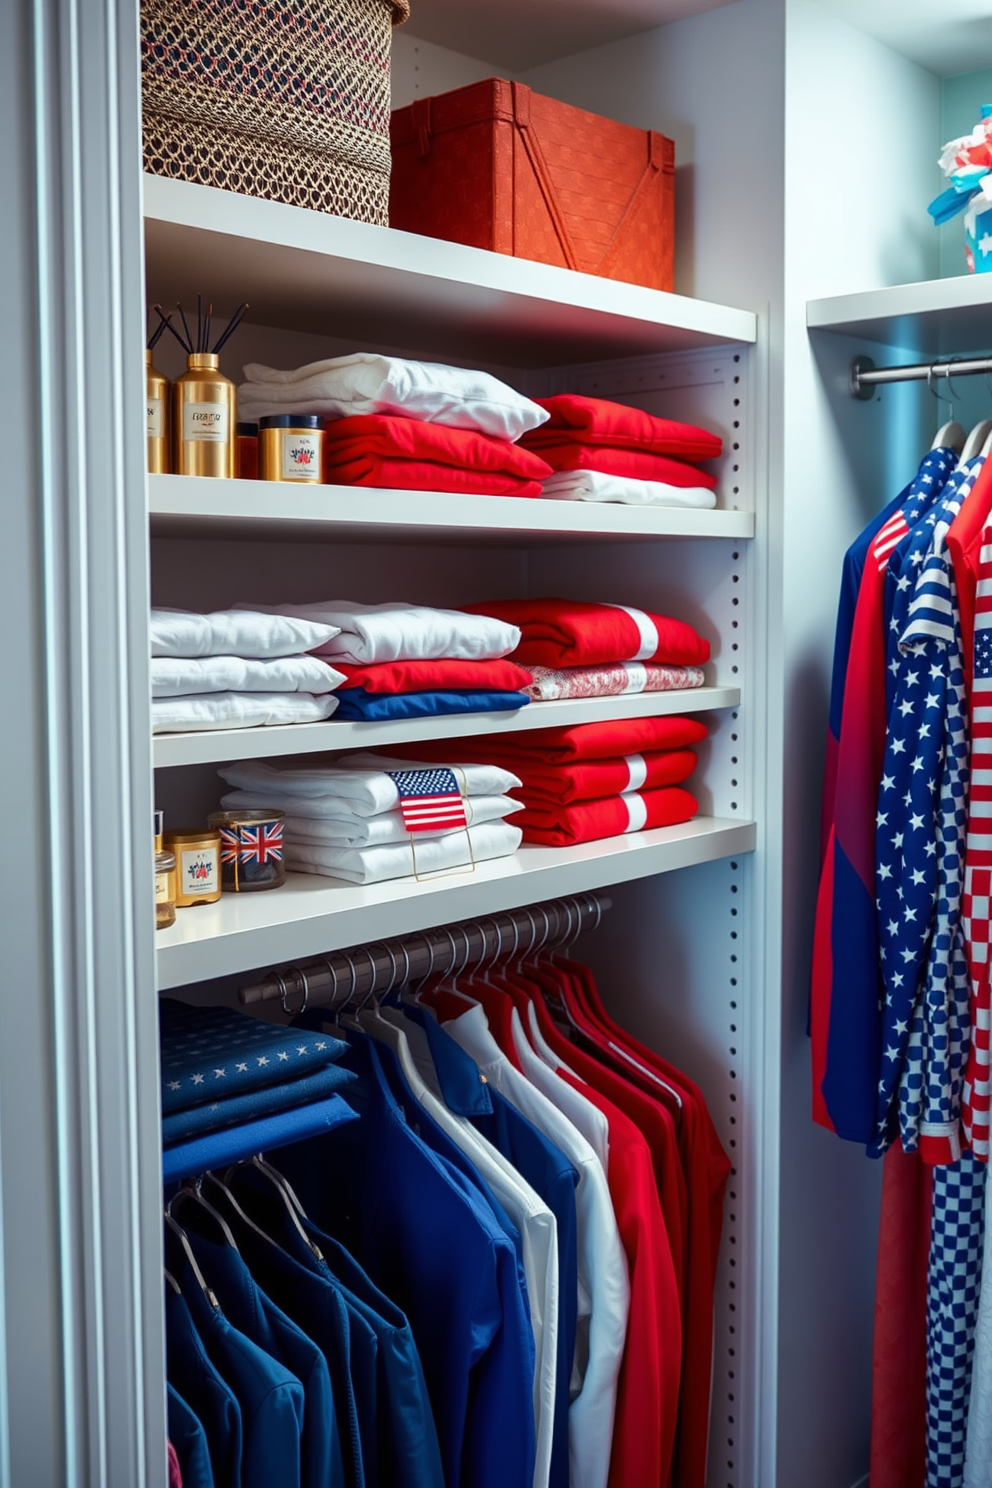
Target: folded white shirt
<point>357,784</point>
<point>220,710</point>
<point>388,826</point>
<point>366,382</point>
<point>179,676</point>
<point>594,485</point>
<point>364,634</point>
<point>247,631</point>
<point>368,865</point>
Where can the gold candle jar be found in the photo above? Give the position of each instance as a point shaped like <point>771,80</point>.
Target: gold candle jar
<point>157,418</point>
<point>203,418</point>
<point>291,448</point>
<point>197,851</point>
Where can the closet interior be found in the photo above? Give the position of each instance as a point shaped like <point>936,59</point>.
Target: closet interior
<point>700,939</point>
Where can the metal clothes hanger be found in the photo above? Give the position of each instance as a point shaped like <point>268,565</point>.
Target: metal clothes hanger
<point>950,435</point>
<point>978,435</point>
<point>180,1235</point>
<point>191,1192</point>
<point>223,1187</point>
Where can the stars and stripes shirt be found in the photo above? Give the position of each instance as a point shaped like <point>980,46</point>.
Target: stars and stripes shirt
<point>919,845</point>
<point>978,865</point>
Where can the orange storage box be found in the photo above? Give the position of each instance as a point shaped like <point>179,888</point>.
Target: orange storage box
<point>497,166</point>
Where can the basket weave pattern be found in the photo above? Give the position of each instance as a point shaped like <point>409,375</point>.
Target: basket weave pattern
<point>291,104</point>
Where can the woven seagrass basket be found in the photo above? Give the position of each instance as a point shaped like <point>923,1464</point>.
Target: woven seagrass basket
<point>290,103</point>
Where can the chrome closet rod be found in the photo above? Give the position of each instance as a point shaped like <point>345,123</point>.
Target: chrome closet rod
<point>865,375</point>
<point>365,970</point>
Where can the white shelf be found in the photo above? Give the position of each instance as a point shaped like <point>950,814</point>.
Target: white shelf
<point>950,316</point>
<point>308,271</point>
<point>213,746</point>
<point>311,915</point>
<point>195,506</point>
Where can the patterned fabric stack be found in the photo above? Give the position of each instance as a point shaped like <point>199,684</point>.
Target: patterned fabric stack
<point>407,661</point>
<point>366,818</point>
<point>221,1069</point>
<point>403,425</point>
<point>234,669</point>
<point>602,451</point>
<point>576,649</point>
<point>596,779</point>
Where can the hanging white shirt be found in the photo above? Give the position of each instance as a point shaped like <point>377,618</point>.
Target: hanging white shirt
<point>602,1265</point>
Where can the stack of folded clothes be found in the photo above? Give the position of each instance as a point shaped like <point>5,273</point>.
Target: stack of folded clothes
<point>367,818</point>
<point>410,661</point>
<point>574,649</point>
<point>595,779</point>
<point>238,669</point>
<point>408,425</point>
<point>221,1068</point>
<point>602,451</point>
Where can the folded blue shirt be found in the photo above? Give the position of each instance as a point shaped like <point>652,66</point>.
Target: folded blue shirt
<point>355,703</point>
<point>196,1121</point>
<point>211,1051</point>
<point>220,1149</point>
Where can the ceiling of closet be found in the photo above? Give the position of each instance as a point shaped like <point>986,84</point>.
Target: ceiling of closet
<point>945,36</point>
<point>517,34</point>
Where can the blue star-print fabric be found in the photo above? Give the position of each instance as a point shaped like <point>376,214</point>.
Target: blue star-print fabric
<point>211,1052</point>
<point>909,862</point>
<point>235,1110</point>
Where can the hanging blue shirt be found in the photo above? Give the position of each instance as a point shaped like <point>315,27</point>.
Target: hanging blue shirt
<point>316,1305</point>
<point>271,1399</point>
<point>257,1316</point>
<point>204,1389</point>
<point>439,1253</point>
<point>548,1171</point>
<point>187,1435</point>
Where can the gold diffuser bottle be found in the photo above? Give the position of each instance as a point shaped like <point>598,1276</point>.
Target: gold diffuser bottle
<point>158,418</point>
<point>203,418</point>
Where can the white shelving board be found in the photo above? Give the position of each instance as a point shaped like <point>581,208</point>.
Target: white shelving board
<point>308,271</point>
<point>938,315</point>
<point>192,506</point>
<point>212,746</point>
<point>311,915</point>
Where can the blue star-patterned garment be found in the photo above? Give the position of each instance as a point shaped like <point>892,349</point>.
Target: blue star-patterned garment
<point>212,1053</point>
<point>917,867</point>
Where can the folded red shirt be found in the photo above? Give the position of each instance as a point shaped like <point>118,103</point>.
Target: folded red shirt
<point>573,632</point>
<point>598,421</point>
<point>627,464</point>
<point>613,816</point>
<point>551,747</point>
<point>436,676</point>
<point>418,439</point>
<point>546,785</point>
<point>421,475</point>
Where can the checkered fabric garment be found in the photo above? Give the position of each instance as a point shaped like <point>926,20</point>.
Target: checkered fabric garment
<point>953,1285</point>
<point>919,848</point>
<point>978,865</point>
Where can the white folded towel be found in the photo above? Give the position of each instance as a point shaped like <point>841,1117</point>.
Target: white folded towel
<point>364,791</point>
<point>368,865</point>
<point>364,634</point>
<point>366,382</point>
<point>219,710</point>
<point>247,631</point>
<point>594,485</point>
<point>179,676</point>
<point>388,826</point>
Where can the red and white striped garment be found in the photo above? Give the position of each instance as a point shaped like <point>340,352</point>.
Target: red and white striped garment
<point>887,537</point>
<point>977,899</point>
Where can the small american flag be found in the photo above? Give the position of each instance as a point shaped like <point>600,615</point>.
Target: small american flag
<point>429,799</point>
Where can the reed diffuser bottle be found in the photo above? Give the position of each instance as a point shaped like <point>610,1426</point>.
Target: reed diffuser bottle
<point>204,405</point>
<point>204,418</point>
<point>158,418</point>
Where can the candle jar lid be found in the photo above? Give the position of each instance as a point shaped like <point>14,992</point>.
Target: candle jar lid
<point>192,834</point>
<point>248,431</point>
<point>290,421</point>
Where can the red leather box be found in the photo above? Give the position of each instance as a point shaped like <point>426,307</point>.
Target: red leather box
<point>497,166</point>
